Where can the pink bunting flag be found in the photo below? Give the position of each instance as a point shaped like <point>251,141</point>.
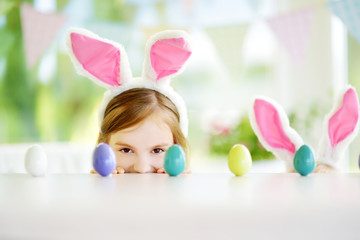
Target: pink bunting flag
<point>39,30</point>
<point>292,30</point>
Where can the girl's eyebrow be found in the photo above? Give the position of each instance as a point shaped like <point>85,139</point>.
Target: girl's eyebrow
<point>161,145</point>
<point>123,144</point>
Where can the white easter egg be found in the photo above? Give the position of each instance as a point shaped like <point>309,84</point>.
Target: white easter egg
<point>36,161</point>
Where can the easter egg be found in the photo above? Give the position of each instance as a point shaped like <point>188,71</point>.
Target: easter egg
<point>304,161</point>
<point>239,160</point>
<point>36,162</point>
<point>175,160</point>
<point>104,159</point>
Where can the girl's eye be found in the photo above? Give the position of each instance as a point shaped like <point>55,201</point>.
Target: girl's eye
<point>157,150</point>
<point>126,150</point>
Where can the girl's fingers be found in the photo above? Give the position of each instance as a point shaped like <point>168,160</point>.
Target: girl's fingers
<point>160,170</point>
<point>120,170</point>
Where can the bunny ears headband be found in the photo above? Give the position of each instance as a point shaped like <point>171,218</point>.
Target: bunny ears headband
<point>341,126</point>
<point>105,62</point>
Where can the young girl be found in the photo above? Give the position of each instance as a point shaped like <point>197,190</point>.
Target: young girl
<point>140,117</point>
<point>140,125</point>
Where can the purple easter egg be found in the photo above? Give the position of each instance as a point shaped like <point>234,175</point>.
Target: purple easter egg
<point>104,159</point>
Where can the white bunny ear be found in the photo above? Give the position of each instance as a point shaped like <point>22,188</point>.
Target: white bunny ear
<point>103,61</point>
<point>271,126</point>
<point>166,54</point>
<point>341,125</point>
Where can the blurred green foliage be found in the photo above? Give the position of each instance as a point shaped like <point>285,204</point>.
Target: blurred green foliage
<point>257,71</point>
<point>114,10</point>
<point>31,110</point>
<point>220,144</point>
<point>308,122</point>
<point>354,77</point>
<point>17,86</point>
<point>65,104</point>
<point>353,60</point>
<point>61,4</point>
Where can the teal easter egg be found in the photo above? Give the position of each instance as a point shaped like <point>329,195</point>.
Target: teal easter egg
<point>175,160</point>
<point>304,161</point>
<point>239,160</point>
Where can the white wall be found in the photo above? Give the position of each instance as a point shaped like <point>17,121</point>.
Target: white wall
<point>62,157</point>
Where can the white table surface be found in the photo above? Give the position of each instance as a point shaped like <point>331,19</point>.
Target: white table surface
<point>192,206</point>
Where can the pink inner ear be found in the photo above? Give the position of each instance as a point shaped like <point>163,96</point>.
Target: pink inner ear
<point>344,121</point>
<point>269,122</point>
<point>99,58</point>
<point>168,56</point>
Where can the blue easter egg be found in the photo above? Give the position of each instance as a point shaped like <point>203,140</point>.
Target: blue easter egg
<point>304,161</point>
<point>104,159</point>
<point>175,160</point>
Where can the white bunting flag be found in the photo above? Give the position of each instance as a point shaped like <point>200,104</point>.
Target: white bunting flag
<point>39,30</point>
<point>292,29</point>
<point>228,41</point>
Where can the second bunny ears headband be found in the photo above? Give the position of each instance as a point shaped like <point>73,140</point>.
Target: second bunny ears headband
<point>340,127</point>
<point>105,62</point>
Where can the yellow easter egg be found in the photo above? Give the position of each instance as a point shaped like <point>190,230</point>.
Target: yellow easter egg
<point>239,160</point>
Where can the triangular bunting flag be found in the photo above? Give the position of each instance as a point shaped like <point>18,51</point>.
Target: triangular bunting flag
<point>254,4</point>
<point>149,31</point>
<point>188,6</point>
<point>39,30</point>
<point>292,30</point>
<point>228,41</point>
<point>349,13</point>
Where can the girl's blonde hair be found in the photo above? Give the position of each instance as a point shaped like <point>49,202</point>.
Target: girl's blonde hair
<point>135,105</point>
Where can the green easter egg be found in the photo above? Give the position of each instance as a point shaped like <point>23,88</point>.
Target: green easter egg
<point>239,160</point>
<point>304,161</point>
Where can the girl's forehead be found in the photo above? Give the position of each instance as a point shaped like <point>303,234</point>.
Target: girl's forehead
<point>153,128</point>
<point>158,118</point>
